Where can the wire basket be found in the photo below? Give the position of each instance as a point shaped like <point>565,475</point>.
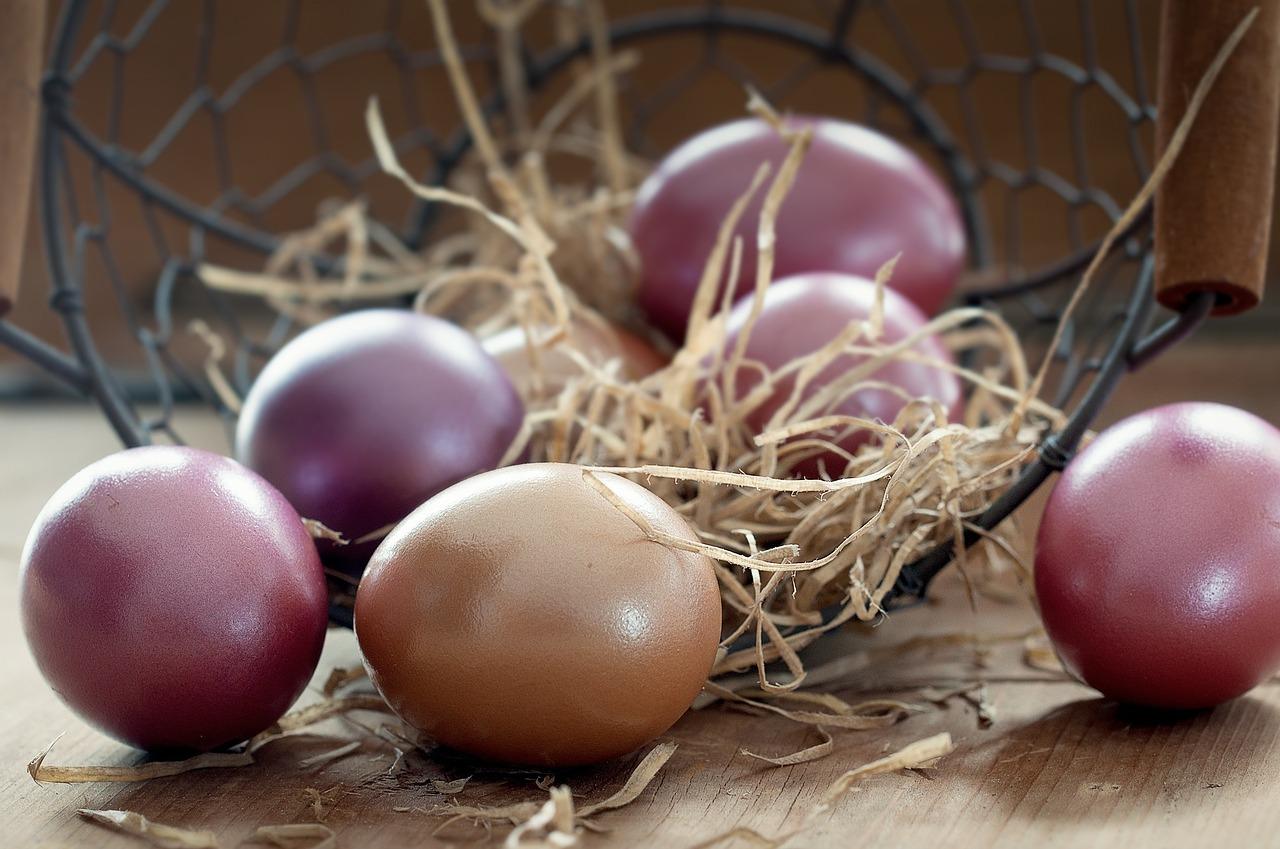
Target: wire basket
<point>1039,115</point>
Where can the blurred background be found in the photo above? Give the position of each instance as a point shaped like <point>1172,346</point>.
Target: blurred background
<point>252,109</point>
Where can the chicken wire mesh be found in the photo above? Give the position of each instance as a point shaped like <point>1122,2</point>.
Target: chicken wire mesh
<point>1039,115</point>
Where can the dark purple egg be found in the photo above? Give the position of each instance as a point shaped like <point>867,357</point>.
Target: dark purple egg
<point>363,417</point>
<point>1158,557</point>
<point>801,314</point>
<point>173,599</point>
<point>859,199</point>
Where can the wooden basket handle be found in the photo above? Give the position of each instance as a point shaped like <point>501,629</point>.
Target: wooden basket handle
<point>21,52</point>
<point>1213,210</point>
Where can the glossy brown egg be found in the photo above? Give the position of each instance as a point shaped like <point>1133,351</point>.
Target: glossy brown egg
<point>599,342</point>
<point>520,617</point>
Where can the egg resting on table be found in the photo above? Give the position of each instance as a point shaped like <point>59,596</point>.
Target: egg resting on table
<point>521,617</point>
<point>1158,557</point>
<point>173,599</point>
<point>361,418</point>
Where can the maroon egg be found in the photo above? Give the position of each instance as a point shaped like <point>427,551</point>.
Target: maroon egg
<point>363,417</point>
<point>173,599</point>
<point>801,314</point>
<point>859,199</point>
<point>1158,558</point>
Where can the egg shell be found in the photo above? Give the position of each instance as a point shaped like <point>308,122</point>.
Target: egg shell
<point>173,599</point>
<point>859,198</point>
<point>361,418</point>
<point>520,617</point>
<point>1158,557</point>
<point>801,314</point>
<point>599,342</point>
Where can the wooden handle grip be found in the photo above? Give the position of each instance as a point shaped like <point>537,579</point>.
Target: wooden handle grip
<point>1213,210</point>
<point>21,51</point>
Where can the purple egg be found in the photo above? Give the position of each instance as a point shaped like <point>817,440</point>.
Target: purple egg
<point>1158,557</point>
<point>801,314</point>
<point>859,198</point>
<point>362,418</point>
<point>173,599</point>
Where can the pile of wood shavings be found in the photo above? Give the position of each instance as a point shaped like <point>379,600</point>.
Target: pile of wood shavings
<point>556,822</point>
<point>346,694</point>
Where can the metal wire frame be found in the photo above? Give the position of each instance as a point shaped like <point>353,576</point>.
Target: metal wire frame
<point>1115,335</point>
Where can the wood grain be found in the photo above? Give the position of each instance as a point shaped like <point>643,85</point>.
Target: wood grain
<point>1059,767</point>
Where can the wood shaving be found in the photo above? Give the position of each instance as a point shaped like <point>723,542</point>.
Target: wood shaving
<point>877,713</point>
<point>506,17</point>
<point>449,788</point>
<point>747,835</point>
<point>341,676</point>
<point>307,835</point>
<point>317,799</point>
<point>514,814</point>
<point>977,694</point>
<point>918,754</point>
<point>521,813</point>
<point>319,530</point>
<point>1038,653</point>
<point>552,827</point>
<point>217,351</point>
<point>45,774</point>
<point>614,156</point>
<point>921,753</point>
<point>290,723</point>
<point>330,756</point>
<point>636,783</point>
<point>810,753</point>
<point>320,711</point>
<point>980,698</point>
<point>155,833</point>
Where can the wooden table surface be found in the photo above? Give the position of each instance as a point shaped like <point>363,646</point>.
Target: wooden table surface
<point>1057,767</point>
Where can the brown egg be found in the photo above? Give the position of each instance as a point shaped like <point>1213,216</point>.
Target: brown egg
<point>599,341</point>
<point>520,617</point>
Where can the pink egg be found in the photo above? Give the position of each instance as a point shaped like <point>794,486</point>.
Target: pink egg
<point>360,419</point>
<point>801,314</point>
<point>173,598</point>
<point>859,199</point>
<point>1158,558</point>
